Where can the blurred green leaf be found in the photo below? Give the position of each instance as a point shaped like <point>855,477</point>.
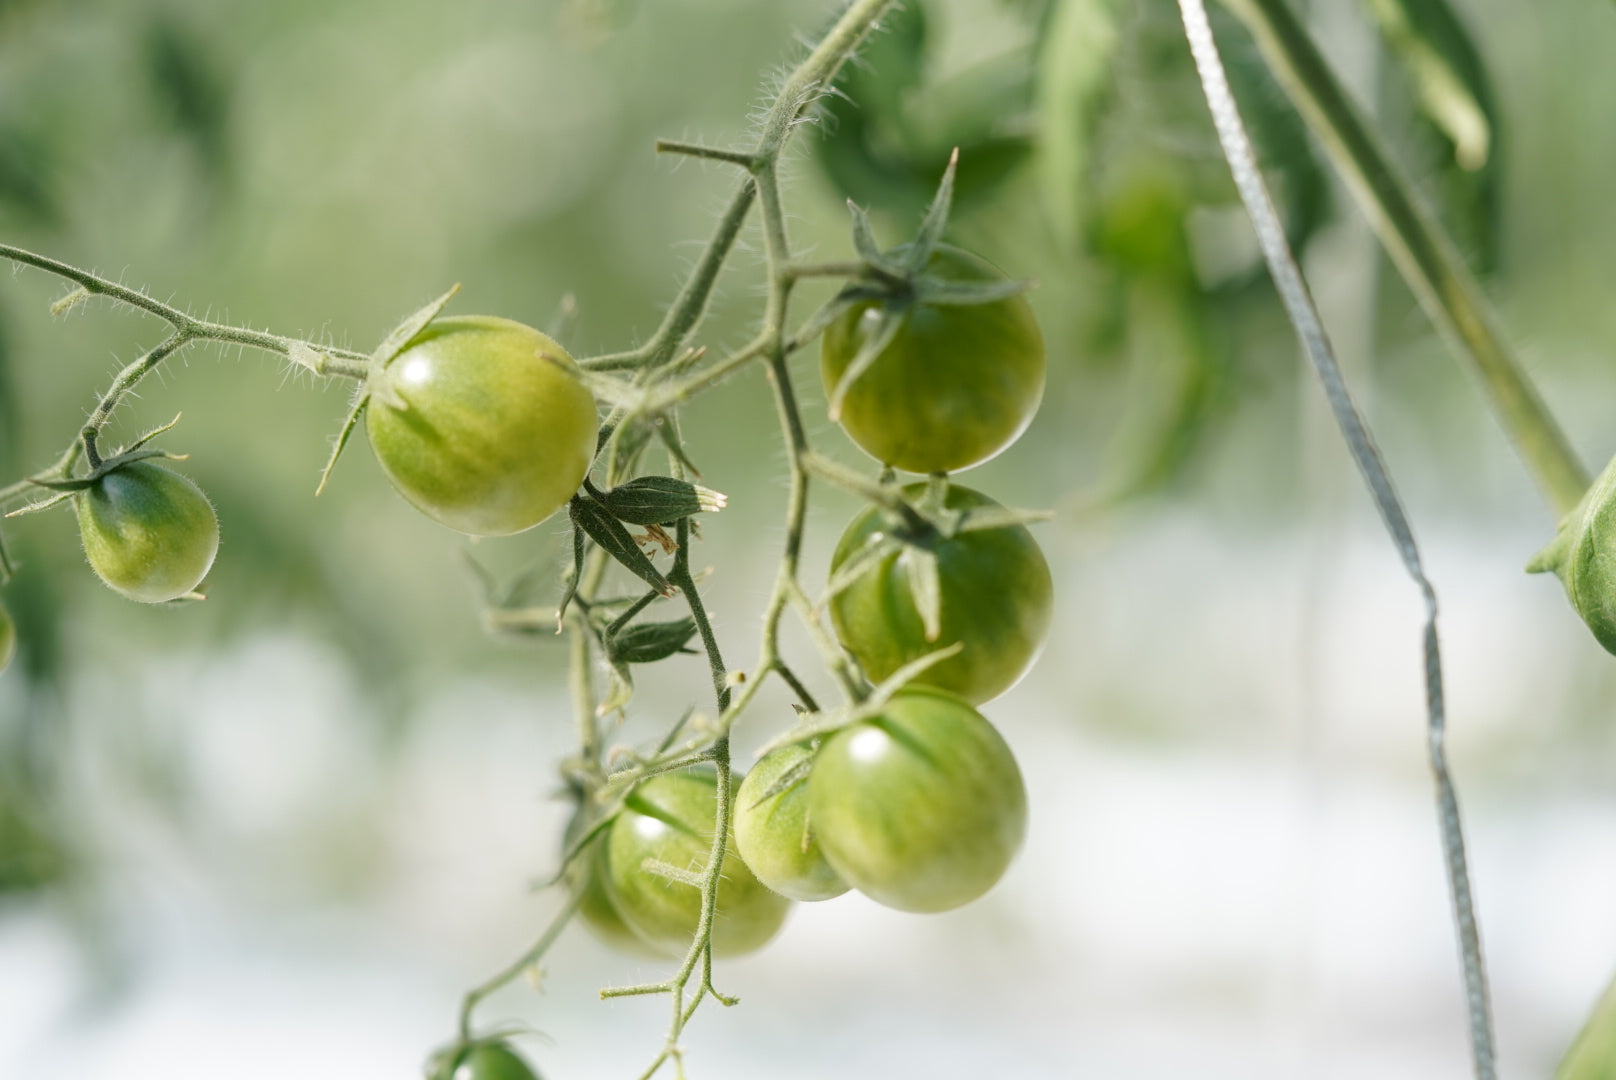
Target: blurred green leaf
<point>1181,378</point>
<point>890,129</point>
<point>28,178</point>
<point>1074,80</point>
<point>1460,134</point>
<point>1593,1055</point>
<point>190,90</point>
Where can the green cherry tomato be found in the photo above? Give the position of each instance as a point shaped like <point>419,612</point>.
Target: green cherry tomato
<point>921,808</point>
<point>586,877</point>
<point>956,385</point>
<point>483,424</point>
<point>492,1061</point>
<point>774,833</point>
<point>148,532</point>
<point>669,818</point>
<point>8,638</point>
<point>996,599</point>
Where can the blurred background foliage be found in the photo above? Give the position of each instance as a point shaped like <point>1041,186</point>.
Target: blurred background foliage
<point>324,167</point>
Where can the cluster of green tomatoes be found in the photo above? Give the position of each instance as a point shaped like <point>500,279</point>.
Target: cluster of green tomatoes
<point>918,803</point>
<point>488,426</point>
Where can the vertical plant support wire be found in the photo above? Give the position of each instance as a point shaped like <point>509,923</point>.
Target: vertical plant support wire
<point>1304,316</point>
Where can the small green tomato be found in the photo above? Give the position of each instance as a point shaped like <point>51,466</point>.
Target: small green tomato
<point>148,532</point>
<point>483,424</point>
<point>586,877</point>
<point>669,819</point>
<point>483,1061</point>
<point>922,807</point>
<point>774,833</point>
<point>956,385</point>
<point>996,600</point>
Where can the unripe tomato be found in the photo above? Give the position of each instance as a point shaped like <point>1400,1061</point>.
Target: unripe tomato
<point>956,385</point>
<point>996,600</point>
<point>669,818</point>
<point>775,834</point>
<point>148,532</point>
<point>8,638</point>
<point>921,808</point>
<point>586,877</point>
<point>483,424</point>
<point>492,1061</point>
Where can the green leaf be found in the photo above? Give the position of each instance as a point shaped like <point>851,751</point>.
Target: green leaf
<point>1461,130</point>
<point>1074,85</point>
<point>190,88</point>
<point>657,500</point>
<point>609,534</point>
<point>1431,42</point>
<point>1181,377</point>
<point>1593,1055</point>
<point>646,643</point>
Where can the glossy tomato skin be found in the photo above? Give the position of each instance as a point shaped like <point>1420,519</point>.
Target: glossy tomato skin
<point>586,877</point>
<point>923,807</point>
<point>492,1061</point>
<point>956,385</point>
<point>775,835</point>
<point>997,599</point>
<point>483,424</point>
<point>8,638</point>
<point>670,818</point>
<point>148,532</point>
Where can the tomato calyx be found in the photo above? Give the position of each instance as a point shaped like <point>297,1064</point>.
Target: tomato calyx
<point>64,487</point>
<point>897,281</point>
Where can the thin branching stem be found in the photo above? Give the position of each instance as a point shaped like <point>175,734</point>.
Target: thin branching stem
<point>661,372</point>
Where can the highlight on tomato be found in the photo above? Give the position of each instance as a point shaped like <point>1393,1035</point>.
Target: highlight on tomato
<point>668,820</point>
<point>921,808</point>
<point>482,423</point>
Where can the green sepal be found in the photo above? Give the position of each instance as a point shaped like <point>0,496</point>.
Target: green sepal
<point>577,574</point>
<point>606,531</point>
<point>935,222</point>
<point>354,413</point>
<point>925,587</point>
<point>865,244</point>
<point>867,558</point>
<point>893,315</point>
<point>404,332</point>
<point>646,643</point>
<point>787,780</point>
<point>658,500</point>
<point>1583,555</point>
<point>930,290</point>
